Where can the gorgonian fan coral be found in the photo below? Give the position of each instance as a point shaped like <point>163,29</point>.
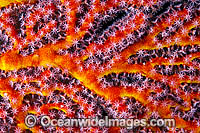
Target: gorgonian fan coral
<point>97,58</point>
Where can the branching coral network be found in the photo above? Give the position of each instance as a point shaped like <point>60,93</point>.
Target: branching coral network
<point>97,58</point>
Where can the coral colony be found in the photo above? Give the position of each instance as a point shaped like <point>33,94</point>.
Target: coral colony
<point>97,58</point>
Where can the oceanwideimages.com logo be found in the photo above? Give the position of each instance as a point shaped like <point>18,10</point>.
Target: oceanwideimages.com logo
<point>46,121</point>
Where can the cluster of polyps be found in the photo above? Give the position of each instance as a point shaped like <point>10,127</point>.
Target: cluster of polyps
<point>174,52</point>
